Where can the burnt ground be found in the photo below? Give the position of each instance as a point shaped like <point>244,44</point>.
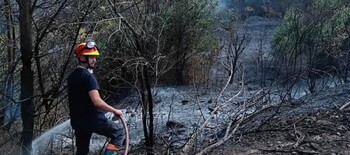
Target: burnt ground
<point>323,132</point>
<point>312,125</point>
<point>318,133</point>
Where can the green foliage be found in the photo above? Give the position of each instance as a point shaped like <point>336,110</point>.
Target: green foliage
<point>333,29</point>
<point>168,36</point>
<point>228,19</point>
<point>193,21</point>
<point>191,30</point>
<point>289,33</point>
<point>327,25</point>
<point>323,5</point>
<point>314,37</point>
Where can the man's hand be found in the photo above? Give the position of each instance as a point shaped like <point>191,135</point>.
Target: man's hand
<point>118,113</point>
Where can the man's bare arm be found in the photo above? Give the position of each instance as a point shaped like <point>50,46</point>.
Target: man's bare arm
<point>100,104</point>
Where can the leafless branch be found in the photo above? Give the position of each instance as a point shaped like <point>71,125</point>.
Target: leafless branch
<point>344,106</point>
<point>188,146</point>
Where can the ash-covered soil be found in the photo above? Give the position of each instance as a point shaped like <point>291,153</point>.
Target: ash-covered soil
<point>312,125</point>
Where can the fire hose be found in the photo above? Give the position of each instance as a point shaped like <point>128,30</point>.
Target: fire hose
<point>126,132</point>
<point>126,135</point>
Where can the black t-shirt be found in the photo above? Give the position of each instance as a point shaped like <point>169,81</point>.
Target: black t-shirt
<point>82,111</point>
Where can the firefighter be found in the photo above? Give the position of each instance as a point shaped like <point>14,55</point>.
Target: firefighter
<point>87,109</point>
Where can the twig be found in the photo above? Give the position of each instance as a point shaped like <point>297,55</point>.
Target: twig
<point>299,136</point>
<point>288,151</point>
<point>344,106</point>
<point>228,135</point>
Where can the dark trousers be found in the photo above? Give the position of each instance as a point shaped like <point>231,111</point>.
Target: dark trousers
<point>104,127</point>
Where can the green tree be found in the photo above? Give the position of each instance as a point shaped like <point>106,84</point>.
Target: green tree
<point>308,42</point>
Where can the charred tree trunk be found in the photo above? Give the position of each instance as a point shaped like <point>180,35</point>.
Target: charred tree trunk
<point>147,109</point>
<point>27,91</point>
<point>150,142</point>
<point>180,58</point>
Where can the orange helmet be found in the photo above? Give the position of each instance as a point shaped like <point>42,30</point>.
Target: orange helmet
<point>86,48</point>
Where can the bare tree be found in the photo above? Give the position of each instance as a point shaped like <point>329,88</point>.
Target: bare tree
<point>235,44</point>
<point>53,58</point>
